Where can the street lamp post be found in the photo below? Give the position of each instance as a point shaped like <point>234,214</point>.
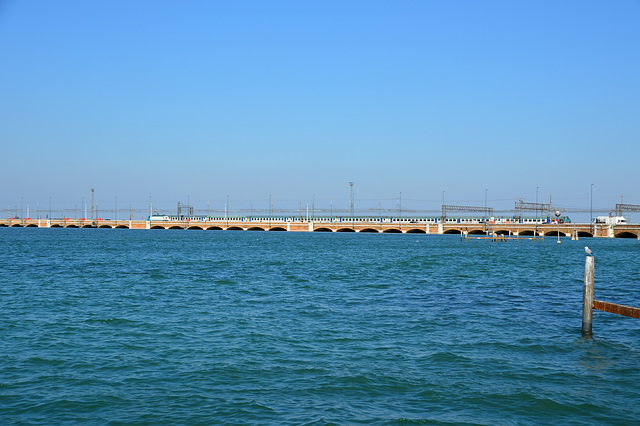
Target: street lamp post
<point>558,222</point>
<point>591,218</point>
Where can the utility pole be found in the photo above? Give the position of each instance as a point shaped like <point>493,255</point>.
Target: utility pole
<point>351,185</point>
<point>537,187</point>
<point>485,205</point>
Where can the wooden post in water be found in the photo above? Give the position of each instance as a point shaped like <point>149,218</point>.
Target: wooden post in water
<point>587,296</point>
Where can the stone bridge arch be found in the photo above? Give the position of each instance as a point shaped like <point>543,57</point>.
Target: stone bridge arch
<point>416,231</point>
<point>392,231</point>
<point>554,233</point>
<point>625,234</point>
<point>322,230</point>
<point>369,230</point>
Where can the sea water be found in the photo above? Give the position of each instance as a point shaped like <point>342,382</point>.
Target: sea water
<point>245,327</point>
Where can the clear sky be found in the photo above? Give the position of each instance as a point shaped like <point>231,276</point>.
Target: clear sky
<point>201,100</point>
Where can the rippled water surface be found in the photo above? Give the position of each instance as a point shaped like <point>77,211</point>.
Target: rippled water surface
<point>210,327</point>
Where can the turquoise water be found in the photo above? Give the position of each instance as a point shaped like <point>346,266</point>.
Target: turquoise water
<point>222,327</point>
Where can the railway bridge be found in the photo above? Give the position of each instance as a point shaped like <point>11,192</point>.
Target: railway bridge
<point>345,225</point>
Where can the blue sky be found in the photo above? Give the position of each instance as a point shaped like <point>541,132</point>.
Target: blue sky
<point>203,99</point>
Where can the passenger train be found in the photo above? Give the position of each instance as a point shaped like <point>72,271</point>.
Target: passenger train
<point>358,219</point>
